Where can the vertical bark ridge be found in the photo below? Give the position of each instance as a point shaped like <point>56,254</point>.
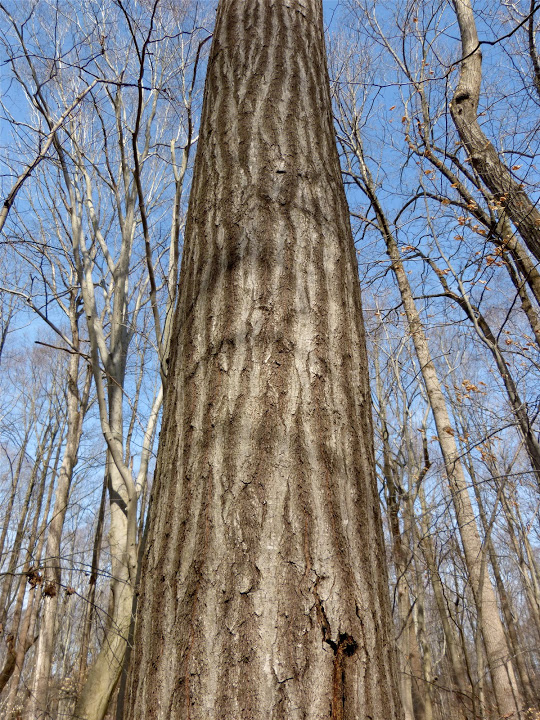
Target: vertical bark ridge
<point>265,564</point>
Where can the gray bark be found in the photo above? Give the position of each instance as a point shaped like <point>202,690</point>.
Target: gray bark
<point>484,157</point>
<point>264,591</point>
<point>76,409</point>
<point>498,657</point>
<point>458,670</point>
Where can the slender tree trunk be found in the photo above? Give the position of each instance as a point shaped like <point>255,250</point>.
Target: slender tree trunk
<point>264,590</point>
<point>405,640</point>
<point>103,675</point>
<point>525,560</point>
<point>481,707</point>
<point>91,596</point>
<point>426,667</point>
<point>508,191</point>
<point>457,666</point>
<point>13,665</point>
<point>8,508</point>
<point>52,568</point>
<point>510,625</point>
<point>21,630</point>
<point>498,656</point>
<point>400,559</point>
<point>105,672</point>
<point>22,525</point>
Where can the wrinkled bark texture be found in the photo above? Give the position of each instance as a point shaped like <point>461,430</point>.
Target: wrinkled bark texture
<point>264,591</point>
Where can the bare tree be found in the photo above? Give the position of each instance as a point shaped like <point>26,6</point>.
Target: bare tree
<point>499,658</point>
<point>507,190</point>
<point>115,172</point>
<point>77,406</point>
<point>263,587</point>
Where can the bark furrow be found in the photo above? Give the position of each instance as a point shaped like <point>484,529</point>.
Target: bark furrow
<point>264,593</point>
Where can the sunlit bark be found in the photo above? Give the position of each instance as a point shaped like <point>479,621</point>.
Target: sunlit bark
<point>263,586</point>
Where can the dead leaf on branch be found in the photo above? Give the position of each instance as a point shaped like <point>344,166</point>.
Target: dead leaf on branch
<point>49,590</point>
<point>34,577</point>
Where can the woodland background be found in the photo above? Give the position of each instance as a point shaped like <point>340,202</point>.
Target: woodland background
<point>99,115</point>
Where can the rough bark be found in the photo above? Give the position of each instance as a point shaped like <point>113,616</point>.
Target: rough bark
<point>264,590</point>
<point>508,191</point>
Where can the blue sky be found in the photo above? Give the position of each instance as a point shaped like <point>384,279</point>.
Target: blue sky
<point>329,9</point>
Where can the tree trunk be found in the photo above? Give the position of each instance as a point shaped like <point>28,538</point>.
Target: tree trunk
<point>514,643</point>
<point>525,559</point>
<point>76,409</point>
<point>424,684</point>
<point>91,594</point>
<point>32,559</point>
<point>458,670</point>
<point>508,191</point>
<point>498,657</point>
<point>264,592</point>
<point>400,556</point>
<point>104,674</point>
<point>22,527</point>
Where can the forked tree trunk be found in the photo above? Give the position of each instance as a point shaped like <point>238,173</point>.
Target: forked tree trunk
<point>264,591</point>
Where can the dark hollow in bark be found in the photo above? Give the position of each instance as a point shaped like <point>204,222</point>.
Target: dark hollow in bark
<point>264,590</point>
